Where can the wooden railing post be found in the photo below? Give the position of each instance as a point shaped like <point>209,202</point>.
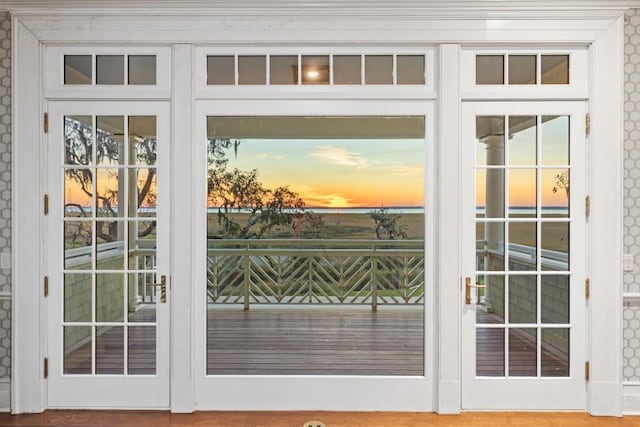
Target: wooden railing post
<point>247,279</point>
<point>374,280</point>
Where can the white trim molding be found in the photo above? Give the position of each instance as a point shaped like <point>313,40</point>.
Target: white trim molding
<point>447,26</point>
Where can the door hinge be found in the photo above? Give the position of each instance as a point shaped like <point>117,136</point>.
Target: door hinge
<point>46,204</point>
<point>46,367</point>
<point>587,288</point>
<point>46,286</point>
<point>587,124</point>
<point>46,123</point>
<point>586,371</point>
<point>587,206</point>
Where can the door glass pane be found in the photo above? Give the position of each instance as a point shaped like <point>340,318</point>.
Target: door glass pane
<point>110,69</point>
<point>77,350</point>
<point>142,69</point>
<point>490,140</point>
<point>315,70</point>
<point>555,299</point>
<point>555,193</point>
<point>283,70</point>
<point>522,193</point>
<point>141,349</point>
<point>555,69</point>
<point>310,212</point>
<point>523,352</point>
<point>77,245</point>
<point>252,70</point>
<point>110,141</point>
<point>78,192</point>
<point>78,140</point>
<point>109,297</point>
<point>110,192</point>
<point>489,246</point>
<point>522,69</point>
<point>522,246</point>
<point>77,69</point>
<point>490,352</point>
<point>555,352</point>
<point>109,249</point>
<point>143,142</point>
<point>555,140</point>
<point>77,297</point>
<point>522,140</point>
<point>410,69</point>
<point>490,193</point>
<point>523,296</point>
<point>489,69</point>
<point>110,350</point>
<point>143,295</point>
<point>346,69</point>
<point>221,70</point>
<point>490,300</point>
<point>555,246</point>
<point>378,69</point>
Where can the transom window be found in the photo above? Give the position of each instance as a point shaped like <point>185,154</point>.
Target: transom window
<point>317,69</point>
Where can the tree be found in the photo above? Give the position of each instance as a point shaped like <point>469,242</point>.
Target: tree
<point>109,150</point>
<point>387,226</point>
<point>236,192</point>
<point>561,182</point>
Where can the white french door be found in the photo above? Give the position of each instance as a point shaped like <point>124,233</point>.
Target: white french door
<point>108,254</point>
<point>319,314</point>
<point>523,333</point>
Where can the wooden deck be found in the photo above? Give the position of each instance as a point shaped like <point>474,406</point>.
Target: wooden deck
<point>321,340</point>
<point>316,341</point>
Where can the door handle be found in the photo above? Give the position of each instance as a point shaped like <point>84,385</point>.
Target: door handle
<point>467,289</point>
<point>163,288</point>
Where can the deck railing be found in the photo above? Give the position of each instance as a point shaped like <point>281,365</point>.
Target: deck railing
<point>369,272</point>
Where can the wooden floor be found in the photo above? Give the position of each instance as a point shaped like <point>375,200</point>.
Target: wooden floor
<point>297,419</point>
<point>314,341</point>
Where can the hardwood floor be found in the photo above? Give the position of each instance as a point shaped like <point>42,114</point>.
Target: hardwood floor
<point>297,419</point>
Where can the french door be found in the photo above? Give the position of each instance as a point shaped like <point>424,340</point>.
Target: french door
<point>108,242</point>
<point>300,302</point>
<point>523,334</point>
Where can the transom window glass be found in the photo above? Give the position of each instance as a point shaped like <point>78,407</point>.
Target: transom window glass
<point>110,69</point>
<point>522,69</point>
<point>384,69</point>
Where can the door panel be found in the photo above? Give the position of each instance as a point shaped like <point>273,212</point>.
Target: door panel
<point>524,222</point>
<point>108,233</point>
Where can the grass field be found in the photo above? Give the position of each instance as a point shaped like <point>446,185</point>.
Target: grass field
<point>334,226</point>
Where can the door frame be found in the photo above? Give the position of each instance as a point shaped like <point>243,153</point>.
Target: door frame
<point>298,392</point>
<point>523,393</point>
<point>600,28</point>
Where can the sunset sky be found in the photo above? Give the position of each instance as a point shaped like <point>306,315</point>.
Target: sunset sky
<point>339,172</point>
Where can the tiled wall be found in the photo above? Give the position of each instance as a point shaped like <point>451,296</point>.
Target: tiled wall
<point>631,316</point>
<point>5,192</point>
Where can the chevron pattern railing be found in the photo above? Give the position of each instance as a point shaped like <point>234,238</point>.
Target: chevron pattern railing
<point>370,272</point>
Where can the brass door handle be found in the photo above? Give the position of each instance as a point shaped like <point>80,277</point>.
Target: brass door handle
<point>163,288</point>
<point>467,289</point>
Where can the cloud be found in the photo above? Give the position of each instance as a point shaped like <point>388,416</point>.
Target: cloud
<point>341,156</point>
